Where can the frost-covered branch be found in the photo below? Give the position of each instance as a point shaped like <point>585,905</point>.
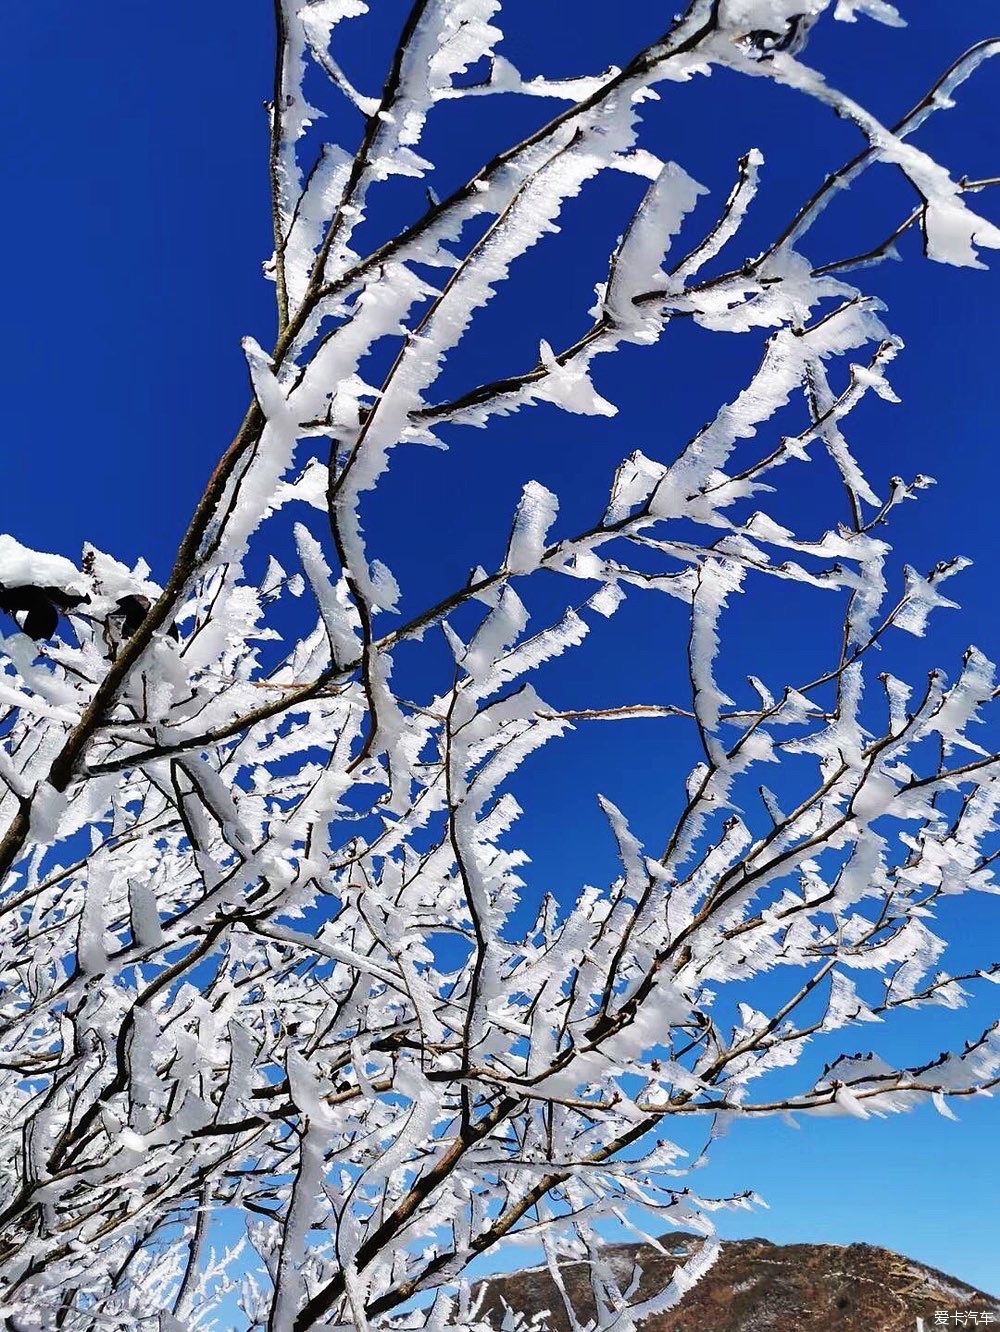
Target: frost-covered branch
<point>288,1021</point>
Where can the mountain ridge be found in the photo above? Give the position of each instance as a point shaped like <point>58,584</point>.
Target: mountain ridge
<point>759,1286</point>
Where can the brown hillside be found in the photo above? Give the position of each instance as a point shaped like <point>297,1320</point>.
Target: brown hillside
<point>757,1286</point>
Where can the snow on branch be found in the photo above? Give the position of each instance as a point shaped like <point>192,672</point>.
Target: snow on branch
<point>291,1023</point>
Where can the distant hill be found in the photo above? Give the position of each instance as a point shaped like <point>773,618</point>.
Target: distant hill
<point>757,1286</point>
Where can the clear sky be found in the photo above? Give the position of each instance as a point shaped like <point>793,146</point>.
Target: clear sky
<point>134,224</point>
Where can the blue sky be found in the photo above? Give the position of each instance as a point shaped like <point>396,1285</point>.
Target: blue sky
<point>134,228</point>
